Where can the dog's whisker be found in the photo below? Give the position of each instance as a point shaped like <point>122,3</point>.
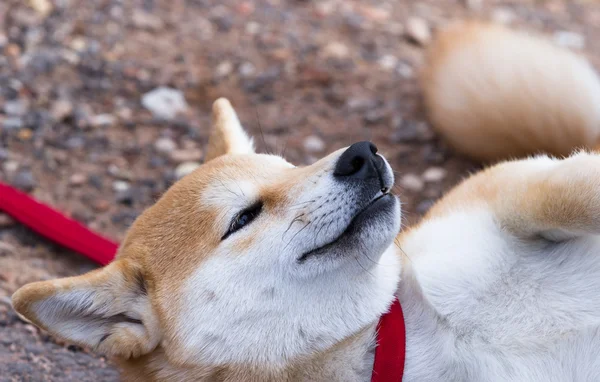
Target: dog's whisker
<point>262,134</point>
<point>296,234</point>
<point>296,219</point>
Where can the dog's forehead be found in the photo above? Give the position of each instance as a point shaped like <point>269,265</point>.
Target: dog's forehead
<point>238,179</point>
<point>184,220</point>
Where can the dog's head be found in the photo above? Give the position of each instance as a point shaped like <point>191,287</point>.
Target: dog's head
<point>248,260</point>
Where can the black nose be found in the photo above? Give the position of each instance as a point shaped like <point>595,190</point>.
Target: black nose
<point>358,161</point>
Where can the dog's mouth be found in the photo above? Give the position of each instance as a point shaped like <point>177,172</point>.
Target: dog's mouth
<point>382,202</point>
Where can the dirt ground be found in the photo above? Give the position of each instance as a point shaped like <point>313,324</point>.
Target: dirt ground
<point>313,75</point>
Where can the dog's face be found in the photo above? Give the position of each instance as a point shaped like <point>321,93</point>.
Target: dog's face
<point>248,260</point>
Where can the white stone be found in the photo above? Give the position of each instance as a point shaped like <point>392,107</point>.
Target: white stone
<point>336,50</point>
<point>10,166</point>
<point>224,69</point>
<point>164,102</point>
<point>418,30</point>
<point>388,62</point>
<point>120,186</point>
<point>165,145</point>
<point>314,144</point>
<point>434,174</point>
<point>247,69</point>
<point>412,182</point>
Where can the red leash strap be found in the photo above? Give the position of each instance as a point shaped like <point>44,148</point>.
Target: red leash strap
<point>55,226</point>
<point>391,346</point>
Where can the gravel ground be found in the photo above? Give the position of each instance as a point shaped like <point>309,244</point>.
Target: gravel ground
<point>104,104</point>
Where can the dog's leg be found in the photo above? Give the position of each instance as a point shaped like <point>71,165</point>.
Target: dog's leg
<point>559,200</point>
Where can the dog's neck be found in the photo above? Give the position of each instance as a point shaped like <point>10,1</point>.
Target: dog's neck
<point>350,360</point>
<point>428,356</point>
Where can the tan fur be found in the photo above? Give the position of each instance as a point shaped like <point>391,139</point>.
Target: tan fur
<point>498,94</point>
<point>529,198</point>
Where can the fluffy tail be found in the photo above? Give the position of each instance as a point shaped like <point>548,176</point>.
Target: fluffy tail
<point>497,94</point>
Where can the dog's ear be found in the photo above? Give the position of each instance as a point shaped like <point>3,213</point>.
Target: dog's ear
<point>107,310</point>
<point>228,135</point>
<point>555,199</point>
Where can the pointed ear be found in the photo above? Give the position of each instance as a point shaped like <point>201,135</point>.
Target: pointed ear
<point>107,310</point>
<point>228,135</point>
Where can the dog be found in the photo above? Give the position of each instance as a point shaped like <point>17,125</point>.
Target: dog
<point>248,269</point>
<point>252,269</point>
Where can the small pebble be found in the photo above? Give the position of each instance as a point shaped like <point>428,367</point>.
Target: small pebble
<point>375,116</point>
<point>77,179</point>
<point>224,69</point>
<point>24,180</point>
<point>165,103</point>
<point>165,145</point>
<point>120,173</point>
<point>394,28</point>
<point>252,28</point>
<point>412,182</point>
<point>314,144</point>
<point>359,104</point>
<point>101,205</point>
<point>474,5</point>
<point>185,168</point>
<point>102,120</point>
<point>434,174</point>
<point>43,7</point>
<point>405,70</point>
<point>25,134</point>
<point>95,181</point>
<point>336,50</point>
<point>417,30</point>
<point>120,186</point>
<point>10,166</point>
<point>61,109</point>
<point>375,13</point>
<point>15,108</point>
<point>388,62</point>
<point>6,221</point>
<point>12,123</point>
<point>247,69</point>
<point>145,20</point>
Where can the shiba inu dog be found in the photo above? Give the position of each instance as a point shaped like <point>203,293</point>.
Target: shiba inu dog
<point>251,269</point>
<point>247,269</point>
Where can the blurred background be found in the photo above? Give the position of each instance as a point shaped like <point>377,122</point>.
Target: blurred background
<point>105,103</point>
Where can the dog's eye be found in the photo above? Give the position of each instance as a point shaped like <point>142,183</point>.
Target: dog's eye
<point>243,218</point>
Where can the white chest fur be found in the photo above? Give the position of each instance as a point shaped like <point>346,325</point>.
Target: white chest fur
<point>484,306</point>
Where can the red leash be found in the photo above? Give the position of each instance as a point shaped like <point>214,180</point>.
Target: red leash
<point>56,226</point>
<point>391,336</point>
<point>390,352</point>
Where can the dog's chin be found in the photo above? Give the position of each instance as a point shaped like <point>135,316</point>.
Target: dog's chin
<point>368,234</point>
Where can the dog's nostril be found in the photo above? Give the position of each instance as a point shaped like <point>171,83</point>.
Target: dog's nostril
<point>357,163</point>
<point>373,148</point>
